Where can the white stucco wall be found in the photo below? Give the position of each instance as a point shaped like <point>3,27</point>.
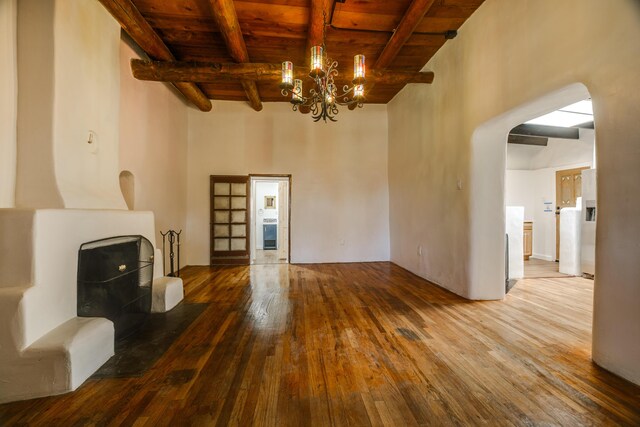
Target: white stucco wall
<point>153,147</point>
<point>521,189</point>
<point>8,101</point>
<point>36,183</point>
<point>69,84</point>
<point>339,202</point>
<point>87,88</point>
<point>510,54</point>
<point>515,232</point>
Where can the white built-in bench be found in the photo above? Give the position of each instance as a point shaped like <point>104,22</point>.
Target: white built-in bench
<point>167,291</point>
<point>59,361</point>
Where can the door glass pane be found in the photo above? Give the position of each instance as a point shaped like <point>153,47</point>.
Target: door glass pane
<point>239,216</point>
<point>239,230</point>
<point>221,216</point>
<point>221,244</point>
<point>239,244</point>
<point>221,203</point>
<point>221,189</point>
<point>221,230</point>
<point>566,190</point>
<point>238,203</point>
<point>239,189</point>
<point>578,185</point>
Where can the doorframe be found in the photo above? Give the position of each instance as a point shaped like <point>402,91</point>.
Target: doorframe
<point>252,213</point>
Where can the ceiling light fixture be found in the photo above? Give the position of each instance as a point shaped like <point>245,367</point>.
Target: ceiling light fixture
<point>323,99</point>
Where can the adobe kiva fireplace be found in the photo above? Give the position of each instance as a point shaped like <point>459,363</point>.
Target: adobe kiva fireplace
<point>115,277</point>
<point>47,345</point>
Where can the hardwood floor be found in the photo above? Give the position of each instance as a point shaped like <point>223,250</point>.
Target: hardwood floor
<point>360,344</point>
<point>538,268</point>
<point>268,257</point>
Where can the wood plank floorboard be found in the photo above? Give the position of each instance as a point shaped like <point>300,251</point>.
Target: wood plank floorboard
<point>360,345</point>
<point>537,268</point>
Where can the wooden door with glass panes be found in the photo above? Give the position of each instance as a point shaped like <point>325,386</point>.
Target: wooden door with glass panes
<point>229,220</point>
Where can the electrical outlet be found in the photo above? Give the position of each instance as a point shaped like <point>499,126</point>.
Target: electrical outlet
<point>459,184</point>
<point>341,242</point>
<point>420,250</point>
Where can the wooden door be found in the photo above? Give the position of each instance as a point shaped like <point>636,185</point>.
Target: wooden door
<point>230,220</point>
<point>568,189</point>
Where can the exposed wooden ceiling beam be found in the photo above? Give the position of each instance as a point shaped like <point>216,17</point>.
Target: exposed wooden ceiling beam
<point>225,15</point>
<point>317,12</point>
<point>546,131</point>
<point>528,140</point>
<point>141,32</point>
<point>207,72</point>
<point>588,125</point>
<point>412,17</point>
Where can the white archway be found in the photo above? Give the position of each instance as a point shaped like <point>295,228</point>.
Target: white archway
<point>487,206</point>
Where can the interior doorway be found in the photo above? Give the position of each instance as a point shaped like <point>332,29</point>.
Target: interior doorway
<point>550,160</point>
<point>270,219</point>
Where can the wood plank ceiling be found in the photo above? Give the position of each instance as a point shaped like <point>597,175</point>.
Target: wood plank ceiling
<point>278,30</point>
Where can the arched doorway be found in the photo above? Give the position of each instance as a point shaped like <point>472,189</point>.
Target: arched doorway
<point>487,205</point>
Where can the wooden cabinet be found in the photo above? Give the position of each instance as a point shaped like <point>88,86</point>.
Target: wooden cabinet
<point>528,239</point>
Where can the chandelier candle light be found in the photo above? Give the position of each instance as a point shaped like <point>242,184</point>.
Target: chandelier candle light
<point>323,99</point>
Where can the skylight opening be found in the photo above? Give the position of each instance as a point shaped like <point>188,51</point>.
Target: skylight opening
<point>569,116</point>
<point>582,107</point>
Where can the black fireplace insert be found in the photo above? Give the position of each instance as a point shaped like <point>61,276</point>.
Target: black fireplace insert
<point>114,281</point>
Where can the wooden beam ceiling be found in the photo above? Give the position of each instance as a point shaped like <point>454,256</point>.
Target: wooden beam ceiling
<point>206,72</point>
<point>272,31</point>
<point>225,15</point>
<point>143,34</point>
<point>402,33</point>
<point>412,17</point>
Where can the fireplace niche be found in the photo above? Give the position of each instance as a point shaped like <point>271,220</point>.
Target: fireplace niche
<point>115,276</point>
